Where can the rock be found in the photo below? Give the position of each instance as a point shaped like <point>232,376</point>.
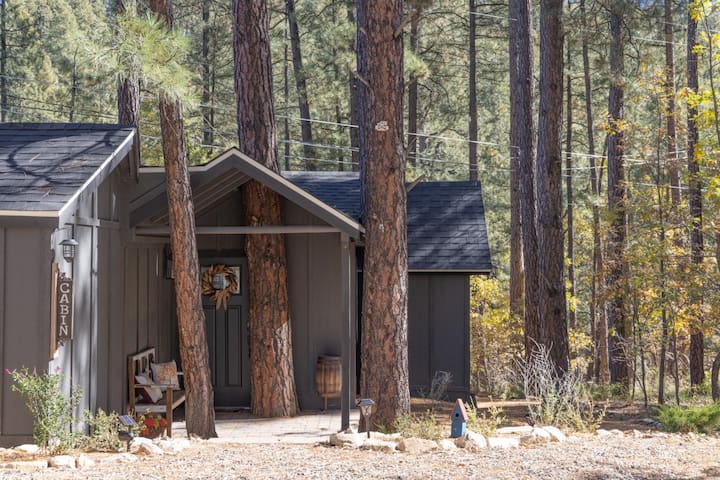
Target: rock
<point>471,441</point>
<point>416,445</point>
<point>145,446</point>
<point>83,461</point>
<point>379,445</point>
<point>503,442</point>
<point>29,465</point>
<point>347,439</point>
<point>173,445</point>
<point>617,432</point>
<point>536,436</point>
<point>120,458</point>
<point>523,430</point>
<point>385,437</point>
<point>556,435</point>
<point>61,461</point>
<point>28,448</point>
<point>447,444</point>
<point>601,432</point>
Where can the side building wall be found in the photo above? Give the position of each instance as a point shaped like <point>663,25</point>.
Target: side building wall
<point>438,331</point>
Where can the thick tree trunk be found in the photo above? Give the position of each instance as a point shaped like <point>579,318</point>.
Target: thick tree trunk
<point>301,86</point>
<point>472,98</point>
<point>129,100</point>
<point>572,318</point>
<point>271,356</point>
<point>617,197</point>
<point>522,147</point>
<point>550,232</point>
<point>384,376</point>
<point>697,368</point>
<point>597,315</point>
<point>200,402</point>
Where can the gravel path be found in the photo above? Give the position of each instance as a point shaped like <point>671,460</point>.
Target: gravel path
<point>580,458</point>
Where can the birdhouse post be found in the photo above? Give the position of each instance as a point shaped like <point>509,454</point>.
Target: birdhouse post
<point>458,419</point>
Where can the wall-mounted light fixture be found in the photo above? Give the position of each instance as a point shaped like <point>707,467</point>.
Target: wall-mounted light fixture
<point>69,249</point>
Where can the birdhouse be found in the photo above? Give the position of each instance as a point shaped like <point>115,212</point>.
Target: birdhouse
<point>458,419</point>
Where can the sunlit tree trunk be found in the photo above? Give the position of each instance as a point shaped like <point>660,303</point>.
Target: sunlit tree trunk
<point>200,404</point>
<point>272,376</point>
<point>384,376</point>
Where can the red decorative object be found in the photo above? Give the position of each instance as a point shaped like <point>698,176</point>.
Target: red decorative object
<point>153,425</point>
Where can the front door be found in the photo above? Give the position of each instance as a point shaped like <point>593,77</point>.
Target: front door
<point>227,332</point>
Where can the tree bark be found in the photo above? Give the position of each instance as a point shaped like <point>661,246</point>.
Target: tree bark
<point>617,197</point>
<point>271,356</point>
<point>200,408</point>
<point>472,98</point>
<point>550,232</point>
<point>301,86</point>
<point>572,318</point>
<point>597,315</point>
<point>697,369</point>
<point>522,148</point>
<point>384,375</point>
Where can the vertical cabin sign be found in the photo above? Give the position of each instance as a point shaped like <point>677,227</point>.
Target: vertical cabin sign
<point>64,309</point>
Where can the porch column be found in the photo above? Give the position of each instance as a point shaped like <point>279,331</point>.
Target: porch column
<point>347,317</point>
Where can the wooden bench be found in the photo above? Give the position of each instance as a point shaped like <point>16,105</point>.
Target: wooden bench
<point>139,363</point>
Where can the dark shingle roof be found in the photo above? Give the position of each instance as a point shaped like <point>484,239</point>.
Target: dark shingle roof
<point>446,220</point>
<point>45,166</point>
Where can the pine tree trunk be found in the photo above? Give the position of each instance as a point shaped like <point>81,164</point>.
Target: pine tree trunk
<point>597,315</point>
<point>522,131</point>
<point>697,368</point>
<point>472,98</point>
<point>200,402</point>
<point>617,196</point>
<point>550,232</point>
<point>272,375</point>
<point>572,318</point>
<point>384,376</point>
<point>301,86</point>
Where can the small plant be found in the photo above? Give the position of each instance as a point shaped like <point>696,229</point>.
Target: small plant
<point>151,424</point>
<point>487,422</point>
<point>704,419</point>
<point>50,408</point>
<point>420,426</point>
<point>563,399</point>
<point>104,431</point>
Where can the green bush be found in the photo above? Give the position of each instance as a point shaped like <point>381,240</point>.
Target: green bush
<point>50,408</point>
<point>103,431</point>
<point>485,423</point>
<point>704,419</point>
<point>420,426</point>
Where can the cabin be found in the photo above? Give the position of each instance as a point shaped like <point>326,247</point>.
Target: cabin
<point>85,183</point>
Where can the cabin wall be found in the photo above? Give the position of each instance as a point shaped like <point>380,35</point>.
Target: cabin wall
<point>25,278</point>
<point>315,288</point>
<point>438,331</point>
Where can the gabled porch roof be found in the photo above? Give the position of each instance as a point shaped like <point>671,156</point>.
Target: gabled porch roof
<point>214,181</point>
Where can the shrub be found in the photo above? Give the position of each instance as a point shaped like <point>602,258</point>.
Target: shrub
<point>420,426</point>
<point>485,423</point>
<point>50,408</point>
<point>103,431</point>
<point>704,419</point>
<point>563,399</point>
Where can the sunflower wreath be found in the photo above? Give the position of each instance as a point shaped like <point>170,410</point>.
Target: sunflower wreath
<point>221,296</point>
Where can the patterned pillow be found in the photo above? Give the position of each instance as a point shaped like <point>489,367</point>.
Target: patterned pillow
<point>166,373</point>
<point>149,394</point>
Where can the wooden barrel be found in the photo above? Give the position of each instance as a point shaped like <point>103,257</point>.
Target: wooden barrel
<point>328,376</point>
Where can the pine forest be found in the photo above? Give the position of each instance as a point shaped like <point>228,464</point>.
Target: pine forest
<point>604,113</point>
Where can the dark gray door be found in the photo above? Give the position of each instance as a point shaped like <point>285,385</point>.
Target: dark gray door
<point>228,344</point>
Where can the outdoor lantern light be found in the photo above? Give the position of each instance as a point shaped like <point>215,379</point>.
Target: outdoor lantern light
<point>219,282</point>
<point>69,247</point>
<point>366,408</point>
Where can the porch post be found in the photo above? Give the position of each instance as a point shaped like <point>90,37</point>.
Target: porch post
<point>346,344</point>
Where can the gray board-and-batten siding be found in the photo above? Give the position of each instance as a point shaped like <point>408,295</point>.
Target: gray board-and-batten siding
<point>123,300</point>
